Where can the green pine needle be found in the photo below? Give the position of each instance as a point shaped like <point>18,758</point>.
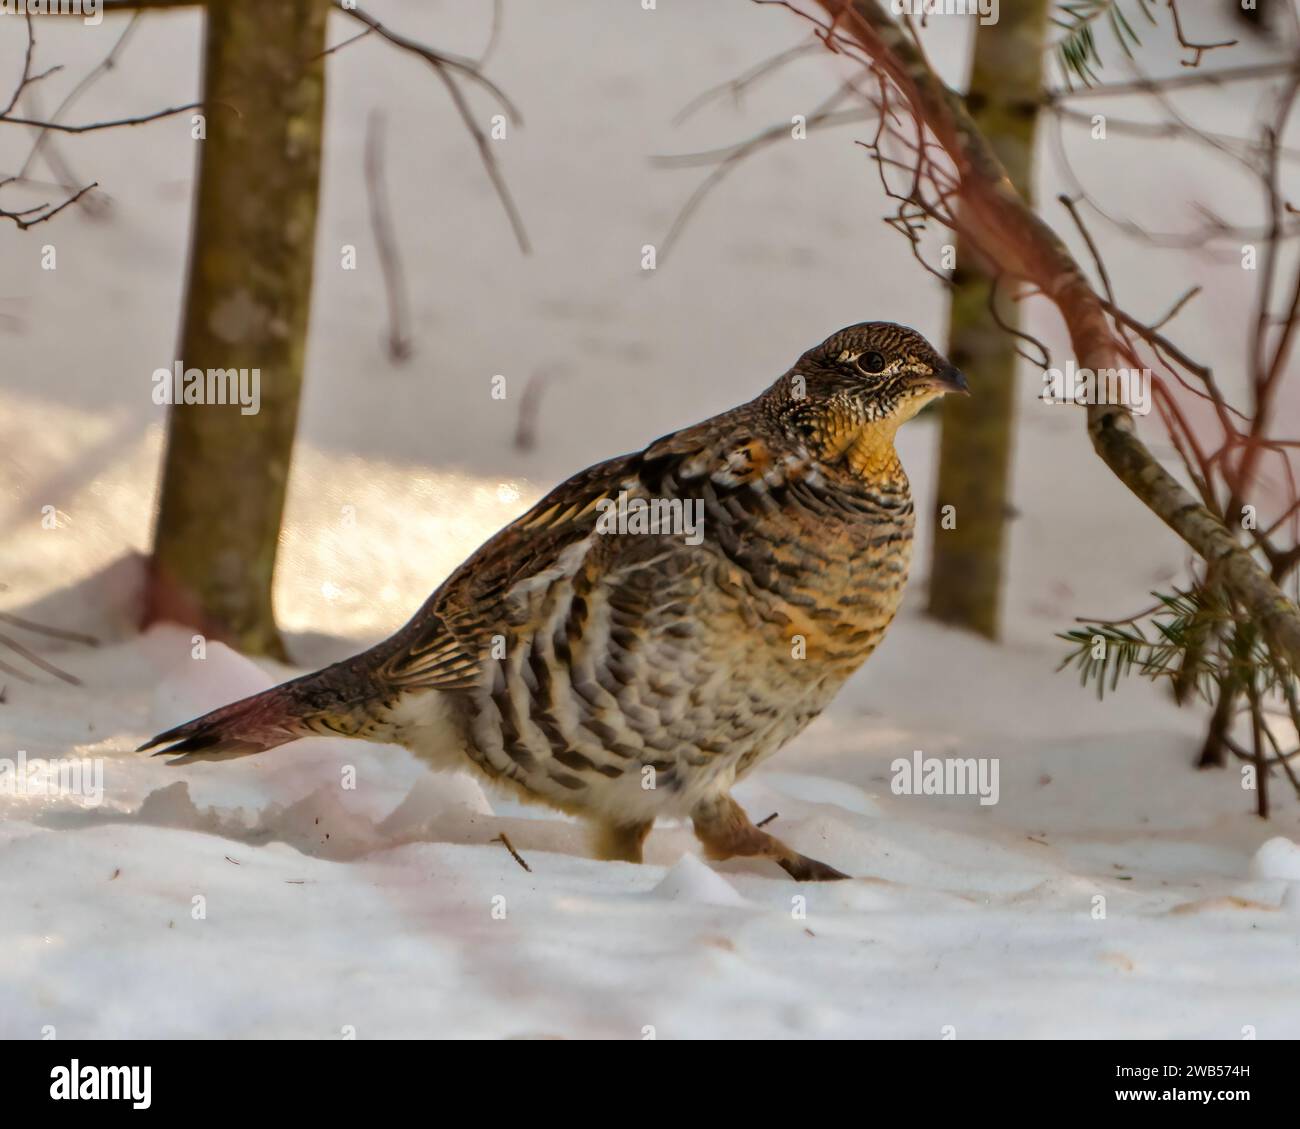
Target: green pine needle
<point>1170,642</point>
<point>1076,51</point>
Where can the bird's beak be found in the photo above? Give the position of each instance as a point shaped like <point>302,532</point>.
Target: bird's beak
<point>951,379</point>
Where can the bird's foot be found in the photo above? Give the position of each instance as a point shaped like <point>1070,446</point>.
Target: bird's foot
<point>621,841</point>
<point>726,832</point>
<point>803,869</point>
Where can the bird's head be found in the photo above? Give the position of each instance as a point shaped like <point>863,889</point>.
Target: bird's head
<point>854,389</point>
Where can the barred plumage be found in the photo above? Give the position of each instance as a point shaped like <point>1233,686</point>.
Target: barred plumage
<point>621,671</point>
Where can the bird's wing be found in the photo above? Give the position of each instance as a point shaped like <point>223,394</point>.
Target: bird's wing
<point>445,644</point>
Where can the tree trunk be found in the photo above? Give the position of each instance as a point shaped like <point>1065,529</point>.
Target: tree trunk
<point>247,303</point>
<point>976,440</point>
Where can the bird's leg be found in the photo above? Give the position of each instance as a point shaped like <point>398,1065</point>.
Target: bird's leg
<point>621,842</point>
<point>726,832</point>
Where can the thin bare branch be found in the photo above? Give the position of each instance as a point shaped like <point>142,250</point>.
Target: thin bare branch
<point>738,85</point>
<point>36,661</point>
<point>381,223</point>
<point>447,67</point>
<point>115,123</point>
<point>725,160</point>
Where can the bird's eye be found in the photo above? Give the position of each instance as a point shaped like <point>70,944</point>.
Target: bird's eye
<point>871,362</point>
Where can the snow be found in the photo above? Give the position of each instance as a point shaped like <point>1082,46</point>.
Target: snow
<point>377,907</point>
<point>344,889</point>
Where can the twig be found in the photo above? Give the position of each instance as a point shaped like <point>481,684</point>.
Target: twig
<point>106,64</point>
<point>25,77</point>
<point>52,632</point>
<point>90,127</point>
<point>504,840</point>
<point>1017,335</point>
<point>737,86</point>
<point>727,159</point>
<point>20,675</point>
<point>362,34</point>
<point>1174,309</point>
<point>1252,73</point>
<point>381,223</point>
<point>493,32</point>
<point>28,218</point>
<point>1199,48</point>
<point>530,404</point>
<point>1279,757</point>
<point>37,661</point>
<point>446,67</point>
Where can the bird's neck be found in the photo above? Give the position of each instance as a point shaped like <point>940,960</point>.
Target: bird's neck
<point>864,458</point>
<point>857,452</point>
<point>871,455</point>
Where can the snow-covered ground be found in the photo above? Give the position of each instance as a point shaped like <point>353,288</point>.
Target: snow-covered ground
<point>1111,890</point>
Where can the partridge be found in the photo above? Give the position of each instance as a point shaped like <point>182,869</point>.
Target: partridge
<point>658,624</point>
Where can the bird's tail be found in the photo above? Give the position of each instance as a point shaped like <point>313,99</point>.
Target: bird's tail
<point>331,701</point>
